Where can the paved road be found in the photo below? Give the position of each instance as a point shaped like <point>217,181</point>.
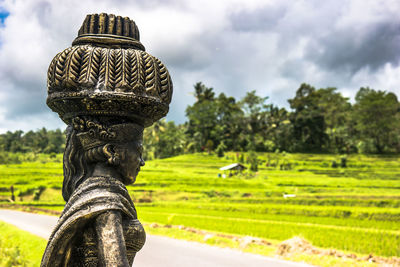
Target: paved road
<point>159,251</point>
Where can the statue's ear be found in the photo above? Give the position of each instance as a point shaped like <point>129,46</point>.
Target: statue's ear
<point>111,155</point>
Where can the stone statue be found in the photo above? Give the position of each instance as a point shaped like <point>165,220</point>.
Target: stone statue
<point>107,89</point>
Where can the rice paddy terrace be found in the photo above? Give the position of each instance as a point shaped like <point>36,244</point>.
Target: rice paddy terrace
<point>353,208</point>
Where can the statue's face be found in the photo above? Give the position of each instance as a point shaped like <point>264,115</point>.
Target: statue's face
<point>130,160</point>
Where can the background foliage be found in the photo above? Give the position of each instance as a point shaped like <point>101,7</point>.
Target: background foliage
<point>319,120</point>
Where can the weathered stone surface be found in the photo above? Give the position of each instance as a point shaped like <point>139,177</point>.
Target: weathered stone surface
<point>106,88</point>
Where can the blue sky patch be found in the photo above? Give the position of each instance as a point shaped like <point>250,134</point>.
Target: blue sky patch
<point>3,15</point>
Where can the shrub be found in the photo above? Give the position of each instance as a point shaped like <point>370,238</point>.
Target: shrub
<point>253,161</point>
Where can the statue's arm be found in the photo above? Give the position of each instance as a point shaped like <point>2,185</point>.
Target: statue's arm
<point>111,242</point>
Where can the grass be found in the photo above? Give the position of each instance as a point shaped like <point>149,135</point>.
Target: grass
<point>329,236</point>
<point>353,209</point>
<point>269,249</point>
<point>19,248</point>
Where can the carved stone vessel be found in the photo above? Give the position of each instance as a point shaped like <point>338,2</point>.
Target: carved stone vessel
<point>106,88</point>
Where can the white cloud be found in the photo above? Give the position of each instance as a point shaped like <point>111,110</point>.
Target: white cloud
<point>233,46</point>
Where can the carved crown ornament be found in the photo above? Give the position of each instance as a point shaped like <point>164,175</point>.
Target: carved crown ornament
<point>93,134</point>
<point>107,72</point>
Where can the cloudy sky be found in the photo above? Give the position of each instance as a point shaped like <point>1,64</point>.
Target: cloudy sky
<point>233,46</point>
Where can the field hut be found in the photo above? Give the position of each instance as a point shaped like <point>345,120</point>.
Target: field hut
<point>233,169</point>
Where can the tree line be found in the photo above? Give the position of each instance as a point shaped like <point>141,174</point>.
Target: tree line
<point>319,120</point>
<point>39,141</point>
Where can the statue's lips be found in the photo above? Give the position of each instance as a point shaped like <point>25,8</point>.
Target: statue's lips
<point>132,178</point>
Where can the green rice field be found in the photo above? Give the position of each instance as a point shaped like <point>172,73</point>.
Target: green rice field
<point>353,208</point>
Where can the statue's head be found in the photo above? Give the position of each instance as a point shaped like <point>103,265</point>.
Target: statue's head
<point>106,141</point>
<point>106,88</point>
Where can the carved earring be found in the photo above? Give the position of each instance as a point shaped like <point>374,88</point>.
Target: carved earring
<point>112,156</point>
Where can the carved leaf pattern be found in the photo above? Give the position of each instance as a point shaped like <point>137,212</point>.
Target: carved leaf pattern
<point>118,68</point>
<point>151,76</point>
<point>135,76</point>
<point>95,64</point>
<point>132,67</point>
<point>71,73</point>
<point>127,70</point>
<point>50,72</point>
<point>165,89</point>
<point>60,67</point>
<point>85,68</point>
<point>89,66</point>
<point>122,70</point>
<point>141,75</point>
<point>103,70</point>
<point>109,80</point>
<point>123,75</point>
